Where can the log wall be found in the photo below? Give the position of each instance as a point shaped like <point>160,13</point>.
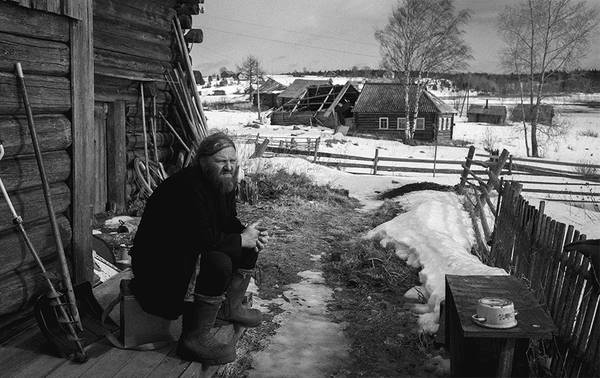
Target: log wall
<point>132,45</point>
<point>369,123</point>
<point>40,41</point>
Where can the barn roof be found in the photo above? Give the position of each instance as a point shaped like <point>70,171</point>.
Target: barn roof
<point>271,85</point>
<point>497,110</point>
<point>296,89</point>
<point>378,97</point>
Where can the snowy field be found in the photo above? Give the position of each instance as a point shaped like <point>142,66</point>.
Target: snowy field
<point>435,232</point>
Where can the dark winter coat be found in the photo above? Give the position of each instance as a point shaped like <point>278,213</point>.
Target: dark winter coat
<point>184,217</point>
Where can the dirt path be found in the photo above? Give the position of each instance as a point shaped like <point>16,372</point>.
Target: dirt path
<point>329,313</point>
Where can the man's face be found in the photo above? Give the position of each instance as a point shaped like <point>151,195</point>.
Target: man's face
<point>222,169</point>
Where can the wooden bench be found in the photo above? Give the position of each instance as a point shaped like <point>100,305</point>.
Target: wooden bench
<point>477,351</point>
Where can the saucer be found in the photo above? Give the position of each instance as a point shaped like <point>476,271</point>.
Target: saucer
<point>496,326</point>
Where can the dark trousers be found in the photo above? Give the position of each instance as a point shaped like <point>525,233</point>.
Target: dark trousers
<point>216,270</point>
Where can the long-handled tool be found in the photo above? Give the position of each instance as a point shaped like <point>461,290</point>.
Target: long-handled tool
<point>63,317</point>
<point>46,187</point>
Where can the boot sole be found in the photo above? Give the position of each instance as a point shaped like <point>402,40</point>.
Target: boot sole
<point>184,354</point>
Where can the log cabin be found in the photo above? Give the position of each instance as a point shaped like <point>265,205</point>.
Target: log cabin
<point>85,62</point>
<point>494,114</point>
<point>380,110</point>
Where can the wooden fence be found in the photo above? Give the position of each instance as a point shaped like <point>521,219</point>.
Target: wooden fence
<point>537,175</point>
<point>530,245</point>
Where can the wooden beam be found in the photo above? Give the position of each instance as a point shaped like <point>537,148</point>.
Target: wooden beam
<point>116,155</point>
<point>338,98</point>
<point>82,82</point>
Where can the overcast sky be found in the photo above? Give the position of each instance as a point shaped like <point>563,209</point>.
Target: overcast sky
<point>288,35</point>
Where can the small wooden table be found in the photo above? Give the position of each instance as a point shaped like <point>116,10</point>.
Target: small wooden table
<point>480,351</point>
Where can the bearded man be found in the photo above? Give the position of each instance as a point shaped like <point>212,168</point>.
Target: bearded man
<point>193,256</point>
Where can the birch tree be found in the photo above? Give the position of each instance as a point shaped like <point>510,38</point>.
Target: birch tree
<point>252,70</point>
<point>542,37</point>
<point>423,37</point>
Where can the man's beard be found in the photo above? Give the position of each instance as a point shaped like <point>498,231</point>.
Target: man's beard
<point>221,182</point>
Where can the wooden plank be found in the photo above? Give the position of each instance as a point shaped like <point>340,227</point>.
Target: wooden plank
<point>20,21</point>
<point>112,36</point>
<point>99,154</point>
<point>532,319</point>
<point>31,206</point>
<point>17,355</point>
<point>164,139</point>
<point>21,172</point>
<point>97,354</point>
<point>116,163</point>
<point>54,133</point>
<point>35,55</point>
<point>143,363</point>
<point>82,78</point>
<point>170,367</point>
<point>117,64</point>
<point>337,99</point>
<point>47,94</point>
<point>137,12</point>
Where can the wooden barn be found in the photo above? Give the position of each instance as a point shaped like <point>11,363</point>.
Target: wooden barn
<point>545,116</point>
<point>86,64</point>
<point>297,89</point>
<point>322,104</point>
<point>268,91</point>
<point>380,110</point>
<point>495,115</point>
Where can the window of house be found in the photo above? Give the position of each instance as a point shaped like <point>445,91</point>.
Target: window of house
<point>401,123</point>
<point>440,123</point>
<point>420,124</point>
<point>445,123</point>
<point>383,123</point>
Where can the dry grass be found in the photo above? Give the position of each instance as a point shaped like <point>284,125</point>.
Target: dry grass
<point>369,281</point>
<point>588,133</point>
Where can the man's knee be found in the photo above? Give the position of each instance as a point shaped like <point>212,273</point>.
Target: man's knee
<point>216,263</point>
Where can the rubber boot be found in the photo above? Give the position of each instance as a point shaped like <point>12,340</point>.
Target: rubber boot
<point>232,309</point>
<point>196,343</point>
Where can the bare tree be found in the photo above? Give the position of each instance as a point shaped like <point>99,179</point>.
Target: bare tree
<point>251,70</point>
<point>423,37</point>
<point>543,37</point>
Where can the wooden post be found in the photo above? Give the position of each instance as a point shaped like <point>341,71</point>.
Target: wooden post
<point>116,156</point>
<point>375,161</point>
<point>465,174</point>
<point>82,94</point>
<point>317,142</point>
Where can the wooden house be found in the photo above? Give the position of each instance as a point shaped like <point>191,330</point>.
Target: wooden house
<point>268,91</point>
<point>85,62</point>
<point>545,114</point>
<point>380,110</point>
<point>322,104</point>
<point>495,114</point>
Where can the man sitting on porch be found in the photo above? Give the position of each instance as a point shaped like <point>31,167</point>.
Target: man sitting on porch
<point>193,256</point>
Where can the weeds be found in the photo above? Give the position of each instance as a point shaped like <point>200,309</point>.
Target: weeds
<point>588,133</point>
<point>587,169</point>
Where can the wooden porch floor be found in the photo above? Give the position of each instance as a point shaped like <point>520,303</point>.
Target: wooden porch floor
<point>28,354</point>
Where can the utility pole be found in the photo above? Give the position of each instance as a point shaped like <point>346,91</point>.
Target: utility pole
<point>258,95</point>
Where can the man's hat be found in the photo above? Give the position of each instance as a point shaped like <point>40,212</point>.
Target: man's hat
<point>213,144</point>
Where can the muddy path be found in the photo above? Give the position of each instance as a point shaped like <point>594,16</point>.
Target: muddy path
<point>334,303</point>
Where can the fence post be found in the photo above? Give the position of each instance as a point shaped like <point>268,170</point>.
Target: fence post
<point>463,176</point>
<point>317,142</point>
<point>375,161</point>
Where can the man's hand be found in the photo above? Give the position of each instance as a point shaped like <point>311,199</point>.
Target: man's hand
<point>255,237</point>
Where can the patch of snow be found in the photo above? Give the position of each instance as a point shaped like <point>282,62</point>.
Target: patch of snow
<point>433,234</point>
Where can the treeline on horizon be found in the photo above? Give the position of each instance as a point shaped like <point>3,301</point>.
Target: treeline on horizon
<point>586,81</point>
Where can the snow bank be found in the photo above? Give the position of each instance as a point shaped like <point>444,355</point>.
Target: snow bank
<point>434,234</point>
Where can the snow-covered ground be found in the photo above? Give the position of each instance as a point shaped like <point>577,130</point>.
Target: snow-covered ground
<point>435,232</point>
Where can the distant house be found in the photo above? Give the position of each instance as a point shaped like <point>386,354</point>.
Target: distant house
<point>545,116</point>
<point>380,110</point>
<point>268,91</point>
<point>489,114</point>
<point>322,104</point>
<point>297,89</point>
